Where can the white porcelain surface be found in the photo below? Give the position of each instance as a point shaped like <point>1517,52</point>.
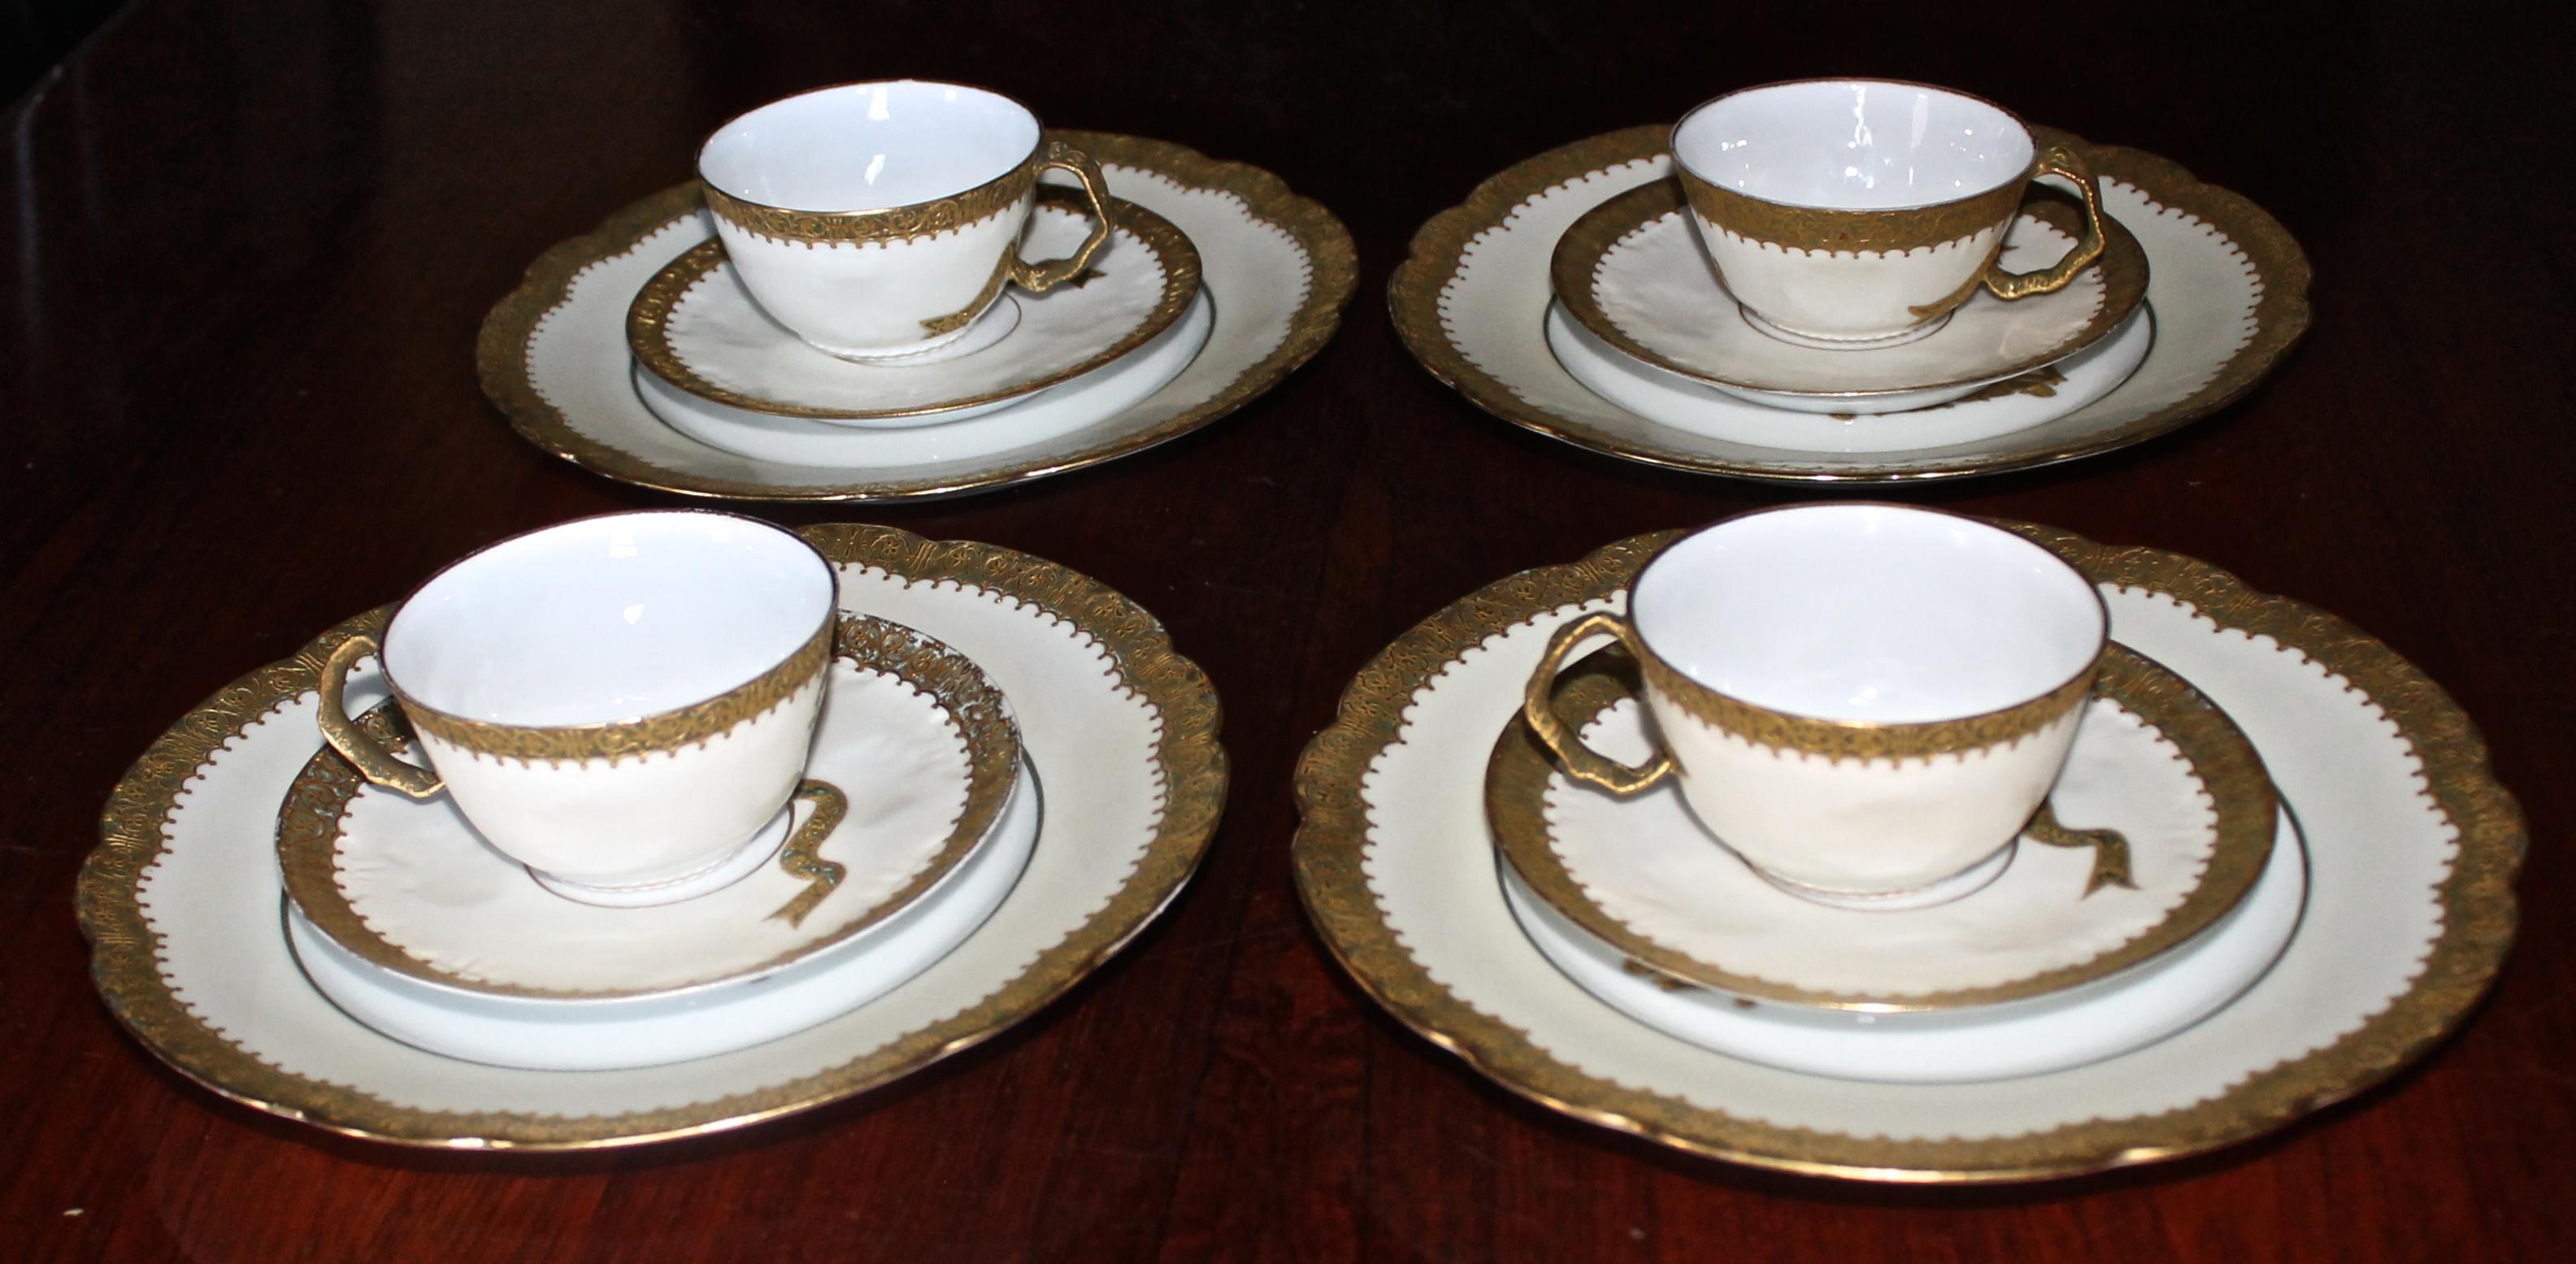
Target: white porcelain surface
<point>1075,405</point>
<point>613,1034</point>
<point>211,894</point>
<point>1851,145</point>
<point>1254,278</point>
<point>1655,285</point>
<point>2201,286</point>
<point>1646,863</point>
<point>2377,848</point>
<point>610,620</point>
<point>414,872</point>
<point>2112,1016</point>
<point>727,339</point>
<point>1686,404</point>
<point>871,146</point>
<point>1877,614</point>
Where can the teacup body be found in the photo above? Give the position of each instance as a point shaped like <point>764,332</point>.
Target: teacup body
<point>1859,699</point>
<point>1852,212</point>
<point>878,220</point>
<point>619,702</point>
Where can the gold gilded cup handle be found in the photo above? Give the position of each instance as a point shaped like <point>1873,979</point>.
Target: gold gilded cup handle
<point>1038,278</point>
<point>1579,761</point>
<point>2057,160</point>
<point>372,760</point>
<point>2110,848</point>
<point>803,855</point>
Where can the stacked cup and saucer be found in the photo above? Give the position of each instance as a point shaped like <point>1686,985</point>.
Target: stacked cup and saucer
<point>891,285</point>
<point>643,792</point>
<point>1868,791</point>
<point>1856,248</point>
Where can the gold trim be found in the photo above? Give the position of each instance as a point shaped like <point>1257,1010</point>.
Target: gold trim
<point>1839,740</point>
<point>648,319</point>
<point>124,949</point>
<point>1518,775</point>
<point>1439,251</point>
<point>310,820</point>
<point>802,857</point>
<point>882,225</point>
<point>935,326</point>
<point>1825,230</point>
<point>500,353</point>
<point>692,725</point>
<point>2476,897</point>
<point>1574,269</point>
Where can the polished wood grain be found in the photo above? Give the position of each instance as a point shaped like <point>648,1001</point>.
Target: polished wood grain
<point>247,245</point>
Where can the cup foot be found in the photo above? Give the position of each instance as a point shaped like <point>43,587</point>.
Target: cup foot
<point>995,324</point>
<point>1966,882</point>
<point>754,853</point>
<point>1867,343</point>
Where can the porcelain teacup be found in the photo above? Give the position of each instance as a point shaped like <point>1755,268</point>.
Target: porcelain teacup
<point>623,703</point>
<point>876,221</point>
<point>1861,700</point>
<point>1859,213</point>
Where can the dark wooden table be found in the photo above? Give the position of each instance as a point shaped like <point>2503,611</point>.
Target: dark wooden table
<point>246,249</point>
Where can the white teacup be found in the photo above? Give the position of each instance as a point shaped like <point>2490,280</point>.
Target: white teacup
<point>1860,213</point>
<point>621,703</point>
<point>1859,699</point>
<point>878,220</point>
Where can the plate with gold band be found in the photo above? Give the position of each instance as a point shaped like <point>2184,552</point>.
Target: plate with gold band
<point>1275,270</point>
<point>2411,849</point>
<point>2226,298</point>
<point>2168,820</point>
<point>696,326</point>
<point>181,899</point>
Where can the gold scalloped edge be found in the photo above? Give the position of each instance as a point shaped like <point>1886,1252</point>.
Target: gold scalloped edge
<point>2476,901</point>
<point>1332,261</point>
<point>125,952</point>
<point>1439,250</point>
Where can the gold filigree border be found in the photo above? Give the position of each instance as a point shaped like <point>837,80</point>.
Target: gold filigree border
<point>1439,251</point>
<point>2220,759</point>
<point>1575,269</point>
<point>648,318</point>
<point>312,816</point>
<point>1824,230</point>
<point>884,224</point>
<point>124,950</point>
<point>500,353</point>
<point>1836,740</point>
<point>2476,898</point>
<point>692,725</point>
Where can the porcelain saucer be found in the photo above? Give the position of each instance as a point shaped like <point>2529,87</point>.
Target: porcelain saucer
<point>695,326</point>
<point>2411,846</point>
<point>181,898</point>
<point>427,933</point>
<point>2019,403</point>
<point>2228,287</point>
<point>1276,267</point>
<point>2159,824</point>
<point>1632,272</point>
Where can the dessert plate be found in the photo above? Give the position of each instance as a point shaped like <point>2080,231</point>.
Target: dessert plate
<point>1277,268</point>
<point>2041,395</point>
<point>2160,823</point>
<point>916,756</point>
<point>2412,850</point>
<point>1632,272</point>
<point>2228,286</point>
<point>847,450</point>
<point>181,898</point>
<point>695,326</point>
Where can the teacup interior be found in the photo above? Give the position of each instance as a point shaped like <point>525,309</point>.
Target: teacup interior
<point>1874,613</point>
<point>1852,144</point>
<point>608,619</point>
<point>869,146</point>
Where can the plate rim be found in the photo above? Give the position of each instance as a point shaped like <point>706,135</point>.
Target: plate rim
<point>124,949</point>
<point>2479,915</point>
<point>1438,252</point>
<point>501,366</point>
